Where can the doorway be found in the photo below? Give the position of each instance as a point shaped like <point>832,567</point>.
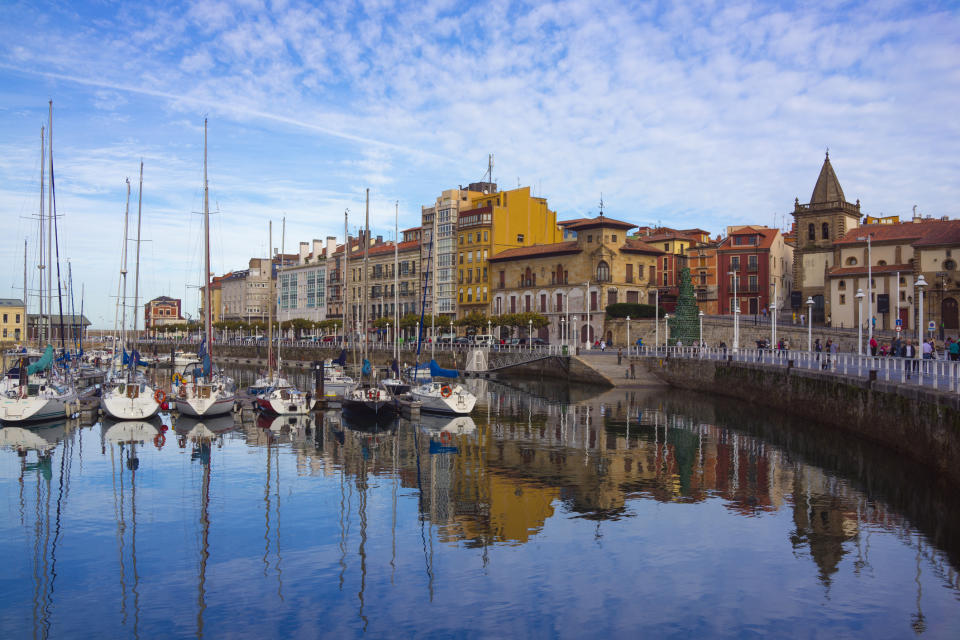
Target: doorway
<point>948,312</point>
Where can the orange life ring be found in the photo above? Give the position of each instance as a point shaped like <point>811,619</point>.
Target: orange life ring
<point>160,396</point>
<point>445,437</point>
<point>445,391</point>
<point>159,440</point>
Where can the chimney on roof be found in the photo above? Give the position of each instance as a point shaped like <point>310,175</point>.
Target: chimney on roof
<point>317,247</point>
<point>304,252</point>
<point>916,216</point>
<point>379,240</point>
<point>331,245</point>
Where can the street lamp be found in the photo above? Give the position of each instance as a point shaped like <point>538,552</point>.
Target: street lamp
<point>919,285</point>
<point>488,328</point>
<point>389,335</point>
<point>736,313</point>
<point>656,319</point>
<point>628,335</point>
<point>451,334</point>
<point>869,287</point>
<point>809,323</point>
<point>666,330</point>
<point>773,325</point>
<point>859,297</point>
<point>530,334</point>
<point>563,336</point>
<point>701,327</point>
<point>576,333</point>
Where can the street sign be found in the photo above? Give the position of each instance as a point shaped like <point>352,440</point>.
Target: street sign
<point>899,322</point>
<point>899,328</point>
<point>931,326</point>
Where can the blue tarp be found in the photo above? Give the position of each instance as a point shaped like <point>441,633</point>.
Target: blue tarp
<point>439,372</point>
<point>43,363</point>
<point>367,369</point>
<point>204,357</point>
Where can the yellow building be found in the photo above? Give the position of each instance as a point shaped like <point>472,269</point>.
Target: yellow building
<point>496,222</point>
<point>13,320</point>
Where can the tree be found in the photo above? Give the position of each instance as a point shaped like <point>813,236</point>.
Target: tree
<point>473,320</point>
<point>685,323</point>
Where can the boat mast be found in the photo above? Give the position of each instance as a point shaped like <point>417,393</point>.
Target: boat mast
<point>270,300</point>
<point>26,303</point>
<point>50,227</point>
<point>136,278</point>
<point>283,245</point>
<point>343,277</point>
<point>40,266</point>
<point>433,289</point>
<point>123,273</point>
<point>396,263</point>
<point>207,311</point>
<point>366,253</point>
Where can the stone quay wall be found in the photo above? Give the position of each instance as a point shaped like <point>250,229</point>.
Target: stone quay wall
<point>923,424</point>
<point>565,368</point>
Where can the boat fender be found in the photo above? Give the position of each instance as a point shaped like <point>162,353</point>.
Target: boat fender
<point>445,391</point>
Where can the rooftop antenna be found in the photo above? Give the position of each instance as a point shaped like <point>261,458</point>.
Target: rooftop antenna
<point>601,204</point>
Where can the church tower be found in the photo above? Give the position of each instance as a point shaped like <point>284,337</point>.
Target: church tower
<point>826,218</point>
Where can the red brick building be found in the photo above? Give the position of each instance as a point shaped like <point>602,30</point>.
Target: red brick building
<point>160,311</point>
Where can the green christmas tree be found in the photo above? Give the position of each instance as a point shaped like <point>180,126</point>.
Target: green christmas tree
<point>685,322</point>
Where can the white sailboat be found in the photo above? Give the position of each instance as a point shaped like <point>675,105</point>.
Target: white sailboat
<point>440,397</point>
<point>40,391</point>
<point>281,398</point>
<point>210,393</point>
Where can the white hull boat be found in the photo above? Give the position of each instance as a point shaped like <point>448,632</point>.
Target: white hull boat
<point>285,401</point>
<point>205,399</point>
<point>440,397</point>
<point>130,401</point>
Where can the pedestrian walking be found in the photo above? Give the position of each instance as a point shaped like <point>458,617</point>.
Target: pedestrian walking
<point>954,349</point>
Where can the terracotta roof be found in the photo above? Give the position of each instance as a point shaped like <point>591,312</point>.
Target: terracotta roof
<point>925,233</point>
<point>827,188</point>
<point>632,245</point>
<point>537,251</point>
<point>767,236</point>
<point>667,235</point>
<point>834,272</point>
<point>387,247</point>
<point>599,221</point>
<point>564,223</point>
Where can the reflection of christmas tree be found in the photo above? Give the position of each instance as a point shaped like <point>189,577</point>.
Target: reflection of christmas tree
<point>685,323</point>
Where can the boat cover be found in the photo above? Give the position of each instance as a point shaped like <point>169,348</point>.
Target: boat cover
<point>43,363</point>
<point>439,372</point>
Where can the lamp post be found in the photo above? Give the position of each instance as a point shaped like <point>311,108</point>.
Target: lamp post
<point>628,335</point>
<point>869,286</point>
<point>859,297</point>
<point>736,313</point>
<point>563,336</point>
<point>701,327</point>
<point>576,333</point>
<point>451,334</point>
<point>809,323</point>
<point>656,320</point>
<point>530,334</point>
<point>586,308</point>
<point>773,325</point>
<point>666,330</point>
<point>919,285</point>
<point>389,335</point>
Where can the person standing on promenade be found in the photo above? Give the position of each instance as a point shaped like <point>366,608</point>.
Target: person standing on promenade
<point>954,349</point>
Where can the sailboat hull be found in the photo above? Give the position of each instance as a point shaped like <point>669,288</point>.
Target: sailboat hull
<point>31,409</point>
<point>205,407</point>
<point>118,404</point>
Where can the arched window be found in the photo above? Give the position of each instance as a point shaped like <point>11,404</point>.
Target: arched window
<point>851,261</point>
<point>603,272</point>
<point>825,230</point>
<point>811,232</point>
<point>881,263</point>
<point>842,285</point>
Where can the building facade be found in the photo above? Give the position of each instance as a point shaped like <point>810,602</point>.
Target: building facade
<point>13,320</point>
<point>302,287</point>
<point>897,255</point>
<point>754,265</point>
<point>572,282</point>
<point>495,222</point>
<point>162,310</point>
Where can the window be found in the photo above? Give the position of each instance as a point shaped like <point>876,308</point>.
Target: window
<point>513,304</point>
<point>882,263</point>
<point>752,262</point>
<point>666,247</point>
<point>825,230</point>
<point>811,232</point>
<point>589,238</point>
<point>520,237</point>
<point>703,278</point>
<point>559,302</point>
<point>843,299</point>
<point>526,302</point>
<point>735,263</point>
<point>603,272</point>
<point>469,238</point>
<point>593,301</point>
<point>842,285</point>
<point>461,295</point>
<point>18,318</point>
<point>639,272</point>
<point>949,265</point>
<point>543,303</point>
<point>851,261</point>
<point>461,258</point>
<point>484,236</point>
<point>478,236</point>
<point>629,276</point>
<point>665,280</point>
<point>752,281</point>
<point>5,317</point>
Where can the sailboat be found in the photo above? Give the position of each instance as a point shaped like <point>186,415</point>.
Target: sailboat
<point>204,392</point>
<point>367,400</point>
<point>395,384</point>
<point>281,397</point>
<point>434,396</point>
<point>128,396</point>
<point>40,392</point>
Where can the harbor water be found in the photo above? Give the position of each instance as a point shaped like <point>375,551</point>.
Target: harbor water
<point>550,512</point>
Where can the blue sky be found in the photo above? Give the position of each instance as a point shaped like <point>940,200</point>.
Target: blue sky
<point>692,113</point>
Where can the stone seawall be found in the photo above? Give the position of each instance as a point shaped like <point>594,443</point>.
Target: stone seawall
<point>565,368</point>
<point>294,356</point>
<point>921,423</point>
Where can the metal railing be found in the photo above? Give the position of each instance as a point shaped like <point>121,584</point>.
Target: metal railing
<point>937,372</point>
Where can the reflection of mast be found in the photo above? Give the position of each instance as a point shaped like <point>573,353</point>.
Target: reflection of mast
<point>204,542</point>
<point>273,469</point>
<point>362,551</point>
<point>427,557</point>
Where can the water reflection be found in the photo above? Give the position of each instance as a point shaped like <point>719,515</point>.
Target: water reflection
<point>368,521</point>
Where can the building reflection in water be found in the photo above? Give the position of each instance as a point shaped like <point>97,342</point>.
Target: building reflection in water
<point>498,478</point>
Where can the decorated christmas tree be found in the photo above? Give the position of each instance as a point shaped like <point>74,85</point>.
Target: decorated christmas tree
<point>685,321</point>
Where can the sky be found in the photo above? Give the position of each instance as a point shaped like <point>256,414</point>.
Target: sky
<point>683,114</point>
